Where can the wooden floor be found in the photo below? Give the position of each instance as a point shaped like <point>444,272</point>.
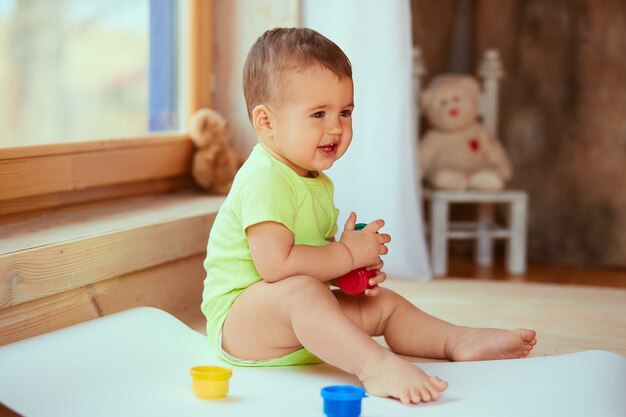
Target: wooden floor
<point>464,267</point>
<point>567,318</point>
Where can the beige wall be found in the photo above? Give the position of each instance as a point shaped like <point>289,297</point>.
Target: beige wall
<point>238,23</point>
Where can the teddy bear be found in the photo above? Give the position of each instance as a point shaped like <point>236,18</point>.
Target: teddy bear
<point>214,163</point>
<point>458,152</point>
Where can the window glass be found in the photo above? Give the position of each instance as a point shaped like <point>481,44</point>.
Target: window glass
<point>88,69</point>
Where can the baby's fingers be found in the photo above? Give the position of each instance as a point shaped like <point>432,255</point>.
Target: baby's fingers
<point>372,292</point>
<point>375,226</point>
<point>350,222</point>
<point>383,238</point>
<point>378,279</point>
<point>378,265</point>
<point>383,250</point>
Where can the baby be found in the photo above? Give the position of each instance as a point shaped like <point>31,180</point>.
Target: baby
<point>272,255</point>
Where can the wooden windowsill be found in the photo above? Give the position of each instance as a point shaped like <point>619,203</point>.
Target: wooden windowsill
<point>41,173</point>
<point>65,251</point>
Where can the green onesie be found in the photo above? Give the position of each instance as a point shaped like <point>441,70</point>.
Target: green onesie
<point>264,189</point>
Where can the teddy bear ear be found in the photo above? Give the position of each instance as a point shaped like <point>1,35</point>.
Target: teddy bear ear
<point>427,97</point>
<point>471,84</point>
<point>198,125</point>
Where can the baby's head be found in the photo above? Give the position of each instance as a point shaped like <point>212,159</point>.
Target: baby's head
<point>299,95</point>
<point>280,51</point>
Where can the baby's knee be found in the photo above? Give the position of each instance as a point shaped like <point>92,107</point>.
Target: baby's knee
<point>305,284</point>
<point>390,298</point>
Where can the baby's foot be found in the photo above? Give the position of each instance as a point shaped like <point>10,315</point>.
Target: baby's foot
<point>473,344</point>
<point>395,377</point>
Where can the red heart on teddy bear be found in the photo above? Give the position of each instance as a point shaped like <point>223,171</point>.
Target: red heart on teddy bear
<point>474,144</point>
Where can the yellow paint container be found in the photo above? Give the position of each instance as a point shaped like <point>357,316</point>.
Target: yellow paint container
<point>210,381</point>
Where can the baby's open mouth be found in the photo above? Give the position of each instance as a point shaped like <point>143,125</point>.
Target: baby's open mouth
<point>328,148</point>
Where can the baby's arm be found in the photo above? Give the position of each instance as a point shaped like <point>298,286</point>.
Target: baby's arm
<point>277,257</point>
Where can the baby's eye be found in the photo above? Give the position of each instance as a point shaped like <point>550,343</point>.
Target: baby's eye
<point>319,114</point>
<point>346,113</point>
<point>443,102</point>
<point>456,99</point>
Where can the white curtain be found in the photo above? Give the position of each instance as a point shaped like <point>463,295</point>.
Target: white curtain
<point>376,178</point>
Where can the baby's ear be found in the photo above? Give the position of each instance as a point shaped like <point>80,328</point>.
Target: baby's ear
<point>261,119</point>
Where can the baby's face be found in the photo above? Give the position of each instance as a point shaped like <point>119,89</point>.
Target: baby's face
<point>312,119</point>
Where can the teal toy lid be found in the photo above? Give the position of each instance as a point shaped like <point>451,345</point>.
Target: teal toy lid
<point>359,226</point>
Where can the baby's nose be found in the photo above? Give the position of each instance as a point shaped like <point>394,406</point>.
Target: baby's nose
<point>335,127</point>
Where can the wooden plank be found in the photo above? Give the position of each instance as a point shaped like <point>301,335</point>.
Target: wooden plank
<point>68,225</point>
<point>39,273</point>
<point>175,287</point>
<point>58,173</point>
<point>46,257</point>
<point>200,55</point>
<point>28,151</point>
<point>20,209</point>
<point>45,315</point>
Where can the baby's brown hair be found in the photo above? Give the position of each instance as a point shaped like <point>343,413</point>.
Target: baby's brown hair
<point>281,49</point>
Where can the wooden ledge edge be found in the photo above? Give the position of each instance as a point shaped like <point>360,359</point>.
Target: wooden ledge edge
<point>46,258</point>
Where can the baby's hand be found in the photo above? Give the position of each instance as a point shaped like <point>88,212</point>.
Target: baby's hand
<point>376,280</point>
<point>365,245</point>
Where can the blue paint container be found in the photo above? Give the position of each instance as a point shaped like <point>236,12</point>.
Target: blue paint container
<point>342,400</point>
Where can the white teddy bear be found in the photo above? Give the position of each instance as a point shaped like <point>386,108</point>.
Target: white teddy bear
<point>458,152</point>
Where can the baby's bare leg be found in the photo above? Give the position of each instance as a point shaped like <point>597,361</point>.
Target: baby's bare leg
<point>271,320</point>
<point>410,331</point>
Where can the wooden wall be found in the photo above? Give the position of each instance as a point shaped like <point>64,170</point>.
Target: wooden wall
<point>563,111</point>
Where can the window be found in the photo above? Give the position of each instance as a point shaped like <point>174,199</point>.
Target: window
<point>89,69</point>
<point>72,166</point>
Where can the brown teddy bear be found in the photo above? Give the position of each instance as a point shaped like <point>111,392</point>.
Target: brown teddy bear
<point>214,163</point>
<point>458,152</point>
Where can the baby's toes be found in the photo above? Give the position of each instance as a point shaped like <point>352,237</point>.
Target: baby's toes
<point>529,346</point>
<point>416,397</point>
<point>425,394</point>
<point>528,335</point>
<point>439,383</point>
<point>406,397</point>
<point>434,392</point>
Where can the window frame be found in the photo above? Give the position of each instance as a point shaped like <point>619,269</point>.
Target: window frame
<point>35,178</point>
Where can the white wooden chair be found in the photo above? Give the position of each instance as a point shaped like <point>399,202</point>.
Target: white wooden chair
<point>484,230</point>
